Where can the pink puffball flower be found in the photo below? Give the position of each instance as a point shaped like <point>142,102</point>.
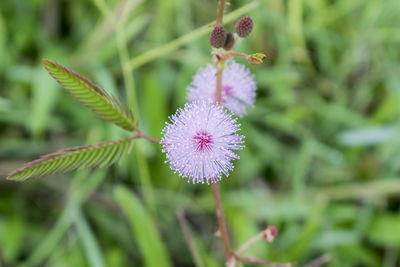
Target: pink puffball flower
<point>199,141</point>
<point>238,87</point>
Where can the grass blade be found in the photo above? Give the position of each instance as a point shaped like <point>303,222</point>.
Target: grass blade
<point>83,186</point>
<point>187,38</point>
<point>143,227</point>
<point>89,242</point>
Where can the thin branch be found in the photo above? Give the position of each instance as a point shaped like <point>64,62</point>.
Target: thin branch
<point>189,238</point>
<point>268,234</point>
<point>234,54</point>
<point>219,83</point>
<point>220,13</point>
<point>320,261</point>
<point>250,242</point>
<point>140,134</point>
<point>223,231</point>
<point>263,262</point>
<point>232,262</point>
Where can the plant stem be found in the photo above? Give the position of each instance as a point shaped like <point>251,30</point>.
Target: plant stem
<point>223,231</point>
<point>249,242</point>
<point>155,141</point>
<point>219,83</point>
<point>220,13</point>
<point>234,54</point>
<point>320,261</point>
<point>220,62</point>
<point>148,138</point>
<point>262,262</point>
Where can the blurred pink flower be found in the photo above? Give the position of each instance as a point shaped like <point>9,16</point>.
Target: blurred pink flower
<point>238,87</point>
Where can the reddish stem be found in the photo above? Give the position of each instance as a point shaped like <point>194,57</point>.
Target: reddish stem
<point>249,242</point>
<point>142,135</point>
<point>234,54</point>
<point>220,13</point>
<point>262,262</point>
<point>223,231</point>
<point>219,84</point>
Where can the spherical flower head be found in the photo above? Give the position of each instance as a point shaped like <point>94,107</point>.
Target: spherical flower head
<point>244,26</point>
<point>217,36</point>
<point>238,87</point>
<point>199,141</point>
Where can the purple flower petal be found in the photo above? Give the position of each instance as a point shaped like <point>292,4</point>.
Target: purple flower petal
<point>199,141</point>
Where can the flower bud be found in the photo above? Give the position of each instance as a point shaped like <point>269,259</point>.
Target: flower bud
<point>217,37</point>
<point>229,41</point>
<point>256,58</point>
<point>244,26</point>
<point>270,233</point>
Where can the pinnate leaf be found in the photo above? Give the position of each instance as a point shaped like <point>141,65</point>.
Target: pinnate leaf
<point>68,159</point>
<point>91,95</point>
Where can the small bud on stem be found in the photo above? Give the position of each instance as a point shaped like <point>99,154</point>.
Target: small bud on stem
<point>256,58</point>
<point>244,26</point>
<point>270,233</point>
<point>217,37</point>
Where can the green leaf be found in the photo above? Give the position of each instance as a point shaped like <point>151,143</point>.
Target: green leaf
<point>68,159</point>
<point>91,95</point>
<point>385,230</point>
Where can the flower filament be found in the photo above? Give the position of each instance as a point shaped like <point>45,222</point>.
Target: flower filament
<point>202,141</point>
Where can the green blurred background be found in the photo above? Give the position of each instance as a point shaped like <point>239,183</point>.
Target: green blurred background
<point>322,156</point>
